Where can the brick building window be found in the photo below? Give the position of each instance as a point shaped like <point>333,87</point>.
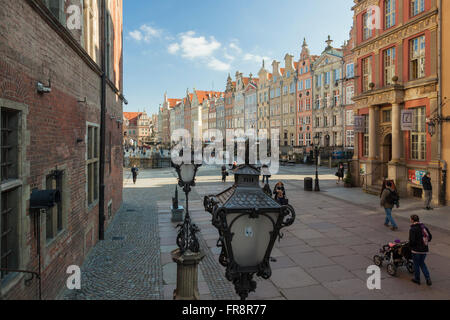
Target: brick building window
<point>366,136</point>
<point>349,94</point>
<point>54,216</point>
<point>389,65</point>
<point>56,7</point>
<point>350,70</point>
<point>417,58</point>
<point>300,139</point>
<point>367,30</point>
<point>389,13</point>
<point>418,135</point>
<point>350,138</point>
<point>93,164</point>
<point>308,139</point>
<point>11,191</point>
<point>387,116</point>
<point>366,73</point>
<point>417,6</point>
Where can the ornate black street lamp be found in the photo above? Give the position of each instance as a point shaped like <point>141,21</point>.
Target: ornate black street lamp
<point>249,223</point>
<point>186,239</point>
<point>316,154</point>
<point>188,255</point>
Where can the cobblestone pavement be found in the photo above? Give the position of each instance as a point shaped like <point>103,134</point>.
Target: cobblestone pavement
<point>126,265</point>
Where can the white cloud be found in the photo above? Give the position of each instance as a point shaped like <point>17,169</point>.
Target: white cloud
<point>195,47</point>
<point>145,33</point>
<point>136,35</point>
<point>173,48</point>
<point>255,57</point>
<point>218,65</point>
<point>235,47</point>
<point>228,56</point>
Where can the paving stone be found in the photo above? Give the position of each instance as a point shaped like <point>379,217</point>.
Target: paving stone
<point>310,259</point>
<point>329,273</point>
<point>352,262</point>
<point>291,278</point>
<point>335,251</point>
<point>316,292</point>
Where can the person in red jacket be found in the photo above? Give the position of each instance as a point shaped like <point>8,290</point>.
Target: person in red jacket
<point>419,236</point>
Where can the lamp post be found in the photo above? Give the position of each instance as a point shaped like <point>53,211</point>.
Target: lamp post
<point>316,154</point>
<point>188,254</point>
<point>249,223</point>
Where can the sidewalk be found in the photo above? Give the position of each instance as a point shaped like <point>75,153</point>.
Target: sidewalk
<point>325,253</point>
<point>439,217</point>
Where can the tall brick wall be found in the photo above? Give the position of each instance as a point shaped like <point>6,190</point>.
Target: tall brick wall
<point>31,51</point>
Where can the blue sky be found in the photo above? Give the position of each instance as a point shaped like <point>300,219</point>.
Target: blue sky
<point>174,45</point>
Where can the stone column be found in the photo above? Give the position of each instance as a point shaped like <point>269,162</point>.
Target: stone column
<point>187,274</point>
<point>396,133</point>
<point>396,168</point>
<point>373,114</point>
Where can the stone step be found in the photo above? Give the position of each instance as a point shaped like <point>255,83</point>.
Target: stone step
<point>374,189</point>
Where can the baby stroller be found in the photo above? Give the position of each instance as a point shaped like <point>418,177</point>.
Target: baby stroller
<point>397,254</point>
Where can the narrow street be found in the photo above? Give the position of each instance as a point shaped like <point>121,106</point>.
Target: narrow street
<point>323,255</point>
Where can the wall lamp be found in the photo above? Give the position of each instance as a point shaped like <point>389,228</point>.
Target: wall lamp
<point>43,89</point>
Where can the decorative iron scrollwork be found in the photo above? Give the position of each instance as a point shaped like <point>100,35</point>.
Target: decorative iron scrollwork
<point>186,238</point>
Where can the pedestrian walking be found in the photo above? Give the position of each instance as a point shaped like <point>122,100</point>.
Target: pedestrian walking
<point>134,172</point>
<point>419,237</point>
<point>340,172</point>
<point>224,173</point>
<point>266,173</point>
<point>389,197</point>
<point>280,193</point>
<point>428,189</point>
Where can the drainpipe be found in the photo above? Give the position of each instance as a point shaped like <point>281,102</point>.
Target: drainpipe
<point>444,169</point>
<point>101,210</point>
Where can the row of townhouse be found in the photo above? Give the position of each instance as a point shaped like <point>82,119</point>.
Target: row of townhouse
<point>287,100</point>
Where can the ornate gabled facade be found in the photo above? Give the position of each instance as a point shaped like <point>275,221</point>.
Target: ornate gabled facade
<point>304,98</point>
<point>348,91</point>
<point>263,107</point>
<point>397,71</point>
<point>239,101</point>
<point>250,104</point>
<point>229,105</point>
<point>327,115</point>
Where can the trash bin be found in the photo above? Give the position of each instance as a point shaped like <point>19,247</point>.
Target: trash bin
<point>308,184</point>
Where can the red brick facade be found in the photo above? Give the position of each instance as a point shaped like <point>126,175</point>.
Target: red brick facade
<point>35,48</point>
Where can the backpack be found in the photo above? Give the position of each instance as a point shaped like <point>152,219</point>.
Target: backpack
<point>426,236</point>
<point>393,197</point>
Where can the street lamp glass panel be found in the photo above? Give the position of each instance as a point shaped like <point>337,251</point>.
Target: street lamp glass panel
<point>251,237</point>
<point>187,173</point>
<point>316,140</point>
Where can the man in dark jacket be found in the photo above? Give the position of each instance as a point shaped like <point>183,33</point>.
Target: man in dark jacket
<point>419,236</point>
<point>388,199</point>
<point>428,189</point>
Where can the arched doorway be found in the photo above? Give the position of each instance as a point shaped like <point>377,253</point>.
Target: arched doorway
<point>387,154</point>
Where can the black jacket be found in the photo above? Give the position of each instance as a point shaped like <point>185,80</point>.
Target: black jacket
<point>426,182</point>
<point>416,238</point>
